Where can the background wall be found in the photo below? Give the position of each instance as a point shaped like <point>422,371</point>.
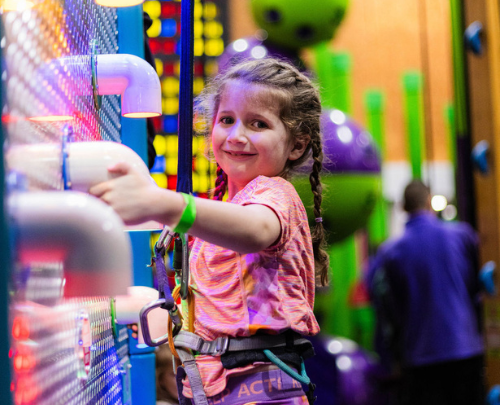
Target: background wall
<point>386,38</point>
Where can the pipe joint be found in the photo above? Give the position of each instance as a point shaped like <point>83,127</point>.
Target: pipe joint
<point>80,231</point>
<point>134,79</point>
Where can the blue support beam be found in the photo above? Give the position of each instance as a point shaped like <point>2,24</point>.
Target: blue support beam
<point>134,135</point>
<point>134,132</point>
<point>5,266</point>
<point>143,379</point>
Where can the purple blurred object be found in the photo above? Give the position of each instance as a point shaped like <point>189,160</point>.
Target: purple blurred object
<point>347,147</point>
<point>345,374</point>
<point>251,48</point>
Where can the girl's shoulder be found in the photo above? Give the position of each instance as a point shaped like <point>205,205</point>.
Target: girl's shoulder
<point>273,183</point>
<point>266,187</point>
<point>279,195</point>
<point>275,192</point>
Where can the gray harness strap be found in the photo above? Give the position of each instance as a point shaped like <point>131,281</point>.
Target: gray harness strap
<point>187,340</point>
<point>193,374</point>
<point>225,344</point>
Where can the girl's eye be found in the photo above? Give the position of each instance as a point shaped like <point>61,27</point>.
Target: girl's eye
<point>260,125</point>
<point>226,120</point>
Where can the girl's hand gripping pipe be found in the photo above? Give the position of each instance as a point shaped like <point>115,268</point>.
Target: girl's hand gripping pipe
<point>136,199</point>
<point>245,229</point>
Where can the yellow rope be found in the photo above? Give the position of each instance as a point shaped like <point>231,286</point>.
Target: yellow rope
<point>171,337</point>
<point>190,317</point>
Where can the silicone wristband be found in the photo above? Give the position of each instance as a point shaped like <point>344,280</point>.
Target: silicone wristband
<point>188,215</point>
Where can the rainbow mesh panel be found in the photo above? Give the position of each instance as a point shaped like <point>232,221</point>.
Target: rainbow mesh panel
<point>62,351</point>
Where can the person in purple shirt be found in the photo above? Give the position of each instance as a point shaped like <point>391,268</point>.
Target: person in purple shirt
<point>425,290</point>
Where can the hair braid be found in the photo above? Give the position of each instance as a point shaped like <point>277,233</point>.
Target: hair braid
<point>220,184</point>
<point>321,258</point>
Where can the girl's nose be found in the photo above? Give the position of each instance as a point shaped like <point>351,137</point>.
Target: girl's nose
<point>237,133</point>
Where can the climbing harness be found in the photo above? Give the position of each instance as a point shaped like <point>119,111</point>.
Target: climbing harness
<point>287,347</point>
<point>186,343</point>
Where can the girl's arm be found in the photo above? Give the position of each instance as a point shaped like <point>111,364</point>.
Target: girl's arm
<point>245,229</point>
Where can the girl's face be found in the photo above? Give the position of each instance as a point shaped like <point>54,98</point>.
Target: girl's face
<point>248,137</point>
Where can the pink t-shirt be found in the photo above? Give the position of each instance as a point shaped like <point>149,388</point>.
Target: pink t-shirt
<point>240,294</point>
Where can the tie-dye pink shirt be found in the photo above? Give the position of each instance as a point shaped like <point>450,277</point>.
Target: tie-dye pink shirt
<point>240,294</point>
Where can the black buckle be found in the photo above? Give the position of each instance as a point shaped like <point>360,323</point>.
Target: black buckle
<point>310,394</point>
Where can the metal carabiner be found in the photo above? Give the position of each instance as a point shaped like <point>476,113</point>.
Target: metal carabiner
<point>146,309</point>
<point>166,237</point>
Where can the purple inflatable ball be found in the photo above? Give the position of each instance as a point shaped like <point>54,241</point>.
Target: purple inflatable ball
<point>351,174</point>
<point>347,147</point>
<point>345,373</point>
<point>252,48</point>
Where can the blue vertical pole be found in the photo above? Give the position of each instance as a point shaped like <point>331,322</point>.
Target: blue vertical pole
<point>5,393</point>
<point>134,135</point>
<point>185,162</point>
<point>134,132</point>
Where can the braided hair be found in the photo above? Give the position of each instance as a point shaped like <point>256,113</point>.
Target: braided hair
<point>300,111</point>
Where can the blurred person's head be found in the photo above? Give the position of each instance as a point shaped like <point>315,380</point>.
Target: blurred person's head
<point>417,197</point>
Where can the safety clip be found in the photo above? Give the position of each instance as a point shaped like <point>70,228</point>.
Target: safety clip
<point>146,309</point>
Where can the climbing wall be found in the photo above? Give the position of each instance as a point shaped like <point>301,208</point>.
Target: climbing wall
<point>62,351</point>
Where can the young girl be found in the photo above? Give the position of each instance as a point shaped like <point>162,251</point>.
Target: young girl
<point>253,259</point>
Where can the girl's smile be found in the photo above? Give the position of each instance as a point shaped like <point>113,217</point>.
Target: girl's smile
<point>238,154</point>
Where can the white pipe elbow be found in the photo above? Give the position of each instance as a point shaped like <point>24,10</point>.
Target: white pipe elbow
<point>128,308</point>
<point>79,230</point>
<point>134,79</point>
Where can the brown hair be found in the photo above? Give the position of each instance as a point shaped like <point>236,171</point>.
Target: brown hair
<point>300,111</point>
<point>416,196</point>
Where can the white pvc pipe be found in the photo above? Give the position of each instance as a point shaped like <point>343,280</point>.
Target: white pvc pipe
<point>119,3</point>
<point>134,79</point>
<point>128,308</point>
<point>35,162</point>
<point>88,162</point>
<point>79,230</point>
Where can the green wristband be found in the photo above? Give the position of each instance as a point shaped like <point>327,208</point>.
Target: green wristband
<point>188,215</point>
